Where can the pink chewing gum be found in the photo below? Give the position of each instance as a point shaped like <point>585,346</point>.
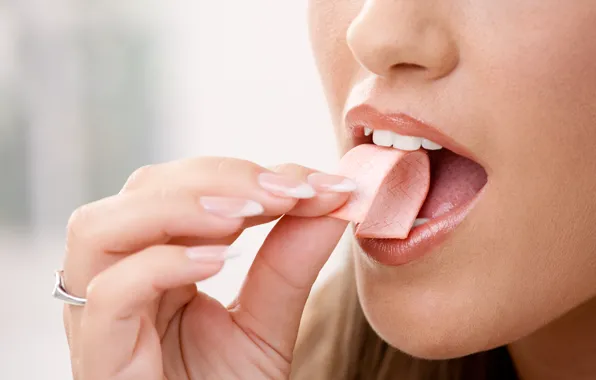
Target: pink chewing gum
<point>392,186</point>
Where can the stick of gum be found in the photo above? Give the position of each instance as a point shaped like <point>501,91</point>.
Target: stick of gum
<point>392,187</point>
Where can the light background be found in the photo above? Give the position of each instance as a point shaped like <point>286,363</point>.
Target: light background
<point>91,90</point>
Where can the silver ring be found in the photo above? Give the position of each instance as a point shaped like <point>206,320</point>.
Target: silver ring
<point>61,294</point>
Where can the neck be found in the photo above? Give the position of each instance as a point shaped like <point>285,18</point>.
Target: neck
<point>565,349</point>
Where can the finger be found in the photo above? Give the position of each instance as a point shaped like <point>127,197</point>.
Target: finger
<point>221,176</point>
<point>131,222</point>
<point>229,177</point>
<point>157,214</point>
<point>272,299</point>
<point>135,220</point>
<point>332,191</point>
<point>160,204</point>
<point>117,331</point>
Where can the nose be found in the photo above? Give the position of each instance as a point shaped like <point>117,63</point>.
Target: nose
<point>392,36</point>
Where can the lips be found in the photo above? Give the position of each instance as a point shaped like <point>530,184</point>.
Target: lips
<point>366,116</point>
<point>457,181</point>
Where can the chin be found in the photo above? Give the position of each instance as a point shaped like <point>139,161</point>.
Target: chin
<point>431,338</point>
<point>434,319</point>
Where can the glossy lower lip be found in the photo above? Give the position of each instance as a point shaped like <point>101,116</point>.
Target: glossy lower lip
<point>422,239</point>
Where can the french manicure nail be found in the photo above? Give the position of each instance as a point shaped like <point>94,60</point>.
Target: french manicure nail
<point>285,186</point>
<point>212,253</point>
<point>332,183</point>
<point>231,207</point>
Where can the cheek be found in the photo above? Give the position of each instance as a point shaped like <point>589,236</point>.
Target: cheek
<point>537,80</point>
<point>536,72</point>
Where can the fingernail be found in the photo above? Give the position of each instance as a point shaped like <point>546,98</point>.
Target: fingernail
<point>285,186</point>
<point>332,183</point>
<point>212,253</point>
<point>231,207</point>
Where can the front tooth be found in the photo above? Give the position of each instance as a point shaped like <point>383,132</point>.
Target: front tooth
<point>406,142</point>
<point>367,131</point>
<point>383,137</point>
<point>420,221</point>
<point>430,145</point>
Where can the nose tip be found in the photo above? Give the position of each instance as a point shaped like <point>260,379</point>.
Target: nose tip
<point>388,39</point>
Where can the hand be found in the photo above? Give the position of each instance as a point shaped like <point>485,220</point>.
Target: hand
<point>136,257</point>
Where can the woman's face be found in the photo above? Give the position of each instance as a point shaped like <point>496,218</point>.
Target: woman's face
<point>513,82</point>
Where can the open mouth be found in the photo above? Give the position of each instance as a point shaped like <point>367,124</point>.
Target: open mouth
<point>456,182</point>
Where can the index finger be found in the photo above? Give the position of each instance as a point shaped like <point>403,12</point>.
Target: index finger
<point>332,191</point>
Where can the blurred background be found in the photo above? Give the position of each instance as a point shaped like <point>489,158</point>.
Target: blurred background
<point>91,90</point>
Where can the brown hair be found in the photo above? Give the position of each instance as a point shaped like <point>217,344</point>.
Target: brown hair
<point>336,342</point>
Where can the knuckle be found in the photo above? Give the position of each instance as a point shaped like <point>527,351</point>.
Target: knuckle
<point>227,164</point>
<point>230,167</point>
<point>208,164</point>
<point>139,176</point>
<point>292,169</point>
<point>77,222</point>
<point>175,198</point>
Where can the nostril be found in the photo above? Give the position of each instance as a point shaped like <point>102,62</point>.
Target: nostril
<point>412,65</point>
<point>408,67</point>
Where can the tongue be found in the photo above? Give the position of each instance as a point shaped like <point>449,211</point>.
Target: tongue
<point>392,187</point>
<point>454,181</point>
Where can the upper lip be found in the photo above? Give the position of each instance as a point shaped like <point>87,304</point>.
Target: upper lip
<point>367,116</point>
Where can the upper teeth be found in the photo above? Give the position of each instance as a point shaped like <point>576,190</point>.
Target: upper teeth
<point>430,145</point>
<point>387,138</point>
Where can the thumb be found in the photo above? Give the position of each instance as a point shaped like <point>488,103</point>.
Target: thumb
<point>271,302</point>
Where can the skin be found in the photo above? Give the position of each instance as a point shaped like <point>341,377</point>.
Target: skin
<point>513,82</point>
<point>145,319</point>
